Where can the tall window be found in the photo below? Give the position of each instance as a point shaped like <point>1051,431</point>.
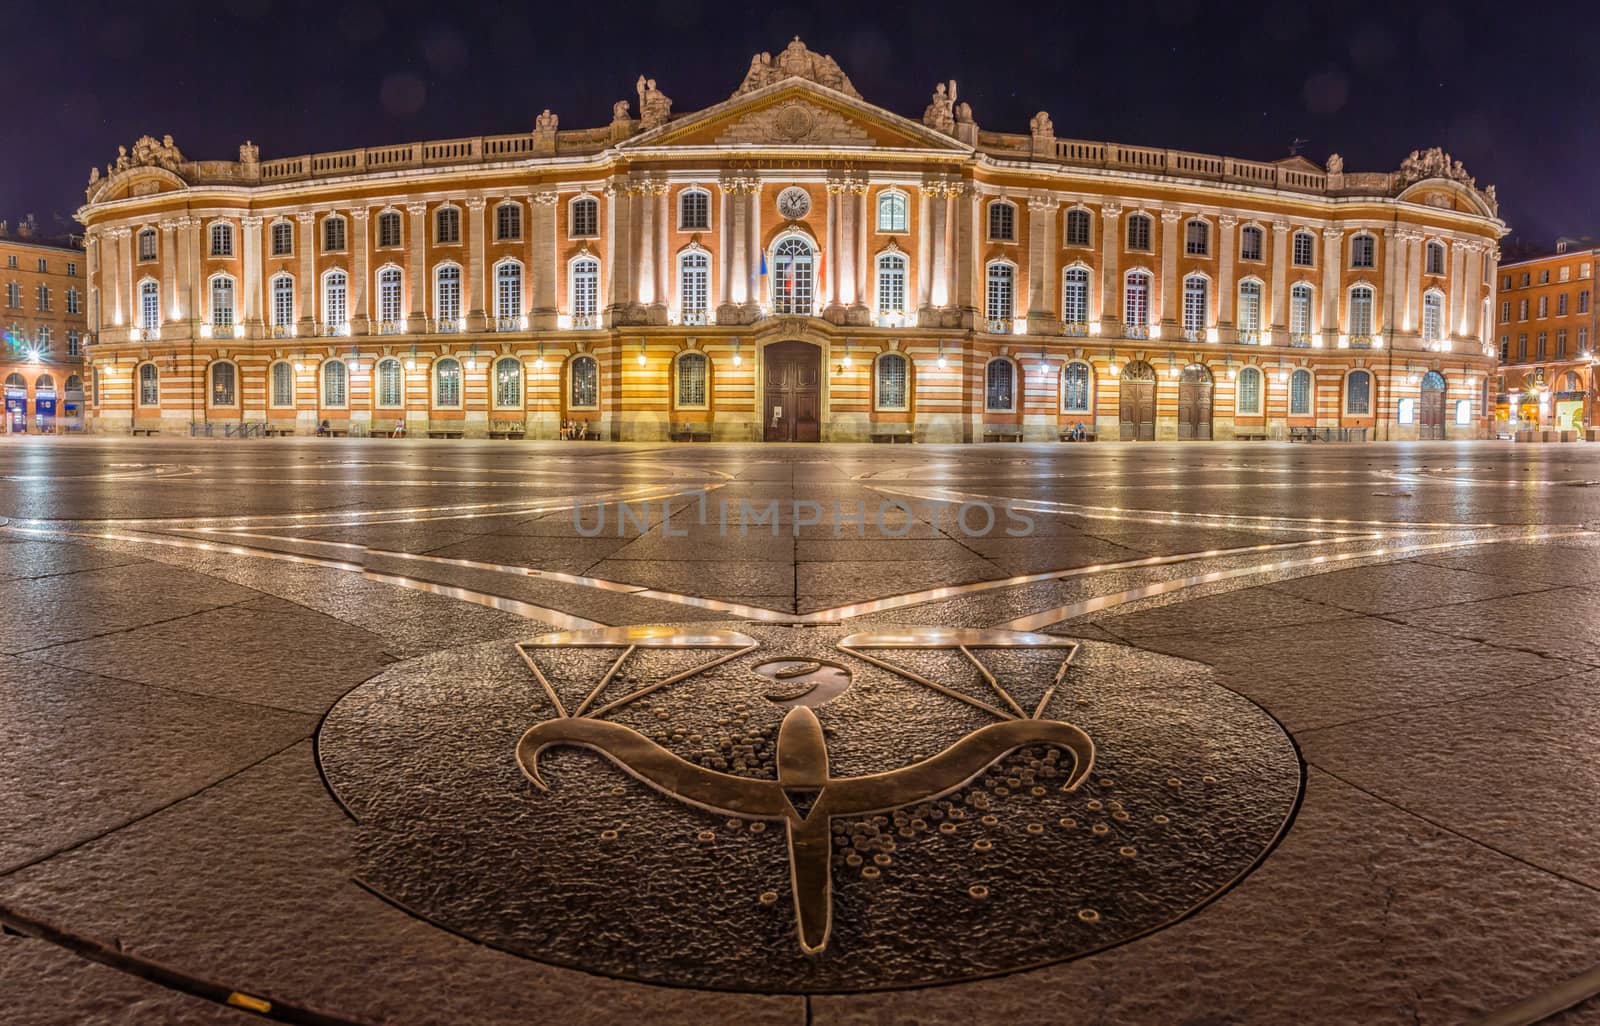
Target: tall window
<point>691,368</point>
<point>1583,340</point>
<point>891,383</point>
<point>584,218</point>
<point>222,240</point>
<point>1435,258</point>
<point>222,301</point>
<point>508,382</point>
<point>1075,296</point>
<point>1249,391</point>
<point>1305,249</point>
<point>1358,393</point>
<point>1196,305</point>
<point>1583,300</point>
<point>282,300</point>
<point>1363,251</point>
<point>1002,221</point>
<point>1136,300</point>
<point>224,384</point>
<point>1432,316</point>
<point>892,212</point>
<point>447,225</point>
<point>1250,242</point>
<point>1250,309</point>
<point>1300,393</point>
<point>389,295</point>
<point>1561,305</point>
<point>335,301</point>
<point>335,383</point>
<point>447,295</point>
<point>791,280</point>
<point>1075,388</point>
<point>1522,309</point>
<point>1197,238</point>
<point>389,228</point>
<point>1139,232</point>
<point>1300,310</point>
<point>508,222</point>
<point>149,385</point>
<point>147,244</point>
<point>1077,227</point>
<point>447,382</point>
<point>694,286</point>
<point>1543,338</point>
<point>694,210</point>
<point>891,283</point>
<point>508,292</point>
<point>282,383</point>
<point>585,287</point>
<point>1361,310</point>
<point>391,382</point>
<point>583,380</point>
<point>1000,386</point>
<point>149,305</point>
<point>333,234</point>
<point>1561,342</point>
<point>282,239</point>
<point>1544,306</point>
<point>1000,298</point>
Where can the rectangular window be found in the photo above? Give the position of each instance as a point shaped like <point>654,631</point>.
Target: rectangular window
<point>1136,302</point>
<point>1561,342</point>
<point>1300,394</point>
<point>1522,347</point>
<point>72,269</point>
<point>1583,340</point>
<point>1197,239</point>
<point>72,342</point>
<point>1566,274</point>
<point>282,239</point>
<point>1542,338</point>
<point>72,301</point>
<point>507,222</point>
<point>13,295</point>
<point>692,380</point>
<point>1250,244</point>
<point>44,266</point>
<point>1075,297</point>
<point>1583,300</point>
<point>1077,227</point>
<point>1561,305</point>
<point>694,212</point>
<point>1505,311</point>
<point>1305,249</point>
<point>694,274</point>
<point>333,235</point>
<point>1195,306</point>
<point>1522,309</point>
<point>389,229</point>
<point>1544,307</point>
<point>998,305</point>
<point>1139,233</point>
<point>891,285</point>
<point>508,291</point>
<point>1300,311</point>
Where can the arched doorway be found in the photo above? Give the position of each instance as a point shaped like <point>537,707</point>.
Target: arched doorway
<point>1137,408</point>
<point>1430,421</point>
<point>16,403</point>
<point>792,392</point>
<point>44,404</point>
<point>1194,403</point>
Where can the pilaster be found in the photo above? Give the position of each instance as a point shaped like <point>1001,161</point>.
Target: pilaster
<point>477,284</point>
<point>360,315</point>
<point>1171,303</point>
<point>1280,281</point>
<point>543,262</point>
<point>1226,291</point>
<point>1109,293</point>
<point>417,276</point>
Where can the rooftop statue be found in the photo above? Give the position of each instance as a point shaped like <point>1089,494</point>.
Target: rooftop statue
<point>796,61</point>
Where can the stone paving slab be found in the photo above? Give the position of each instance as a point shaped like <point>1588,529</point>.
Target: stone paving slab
<point>1397,587</point>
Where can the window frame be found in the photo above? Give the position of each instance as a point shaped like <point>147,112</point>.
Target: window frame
<point>273,401</point>
<point>139,384</point>
<point>885,359</point>
<point>499,279</point>
<point>508,210</point>
<point>1350,376</point>
<point>220,240</point>
<point>678,381</point>
<point>436,383</point>
<point>890,267</point>
<point>1146,232</point>
<point>381,368</point>
<point>1250,373</point>
<point>387,217</point>
<point>1197,243</point>
<point>988,385</point>
<point>211,384</point>
<point>1253,231</point>
<point>803,283</point>
<point>685,222</point>
<point>1088,387</point>
<point>586,267</point>
<point>496,385</point>
<point>570,375</point>
<point>1310,239</point>
<point>1297,375</point>
<point>589,201</point>
<point>1368,244</point>
<point>335,224</point>
<point>991,294</point>
<point>691,289</point>
<point>898,205</point>
<point>1080,216</point>
<point>459,281</point>
<point>994,218</point>
<point>439,217</point>
<point>324,381</point>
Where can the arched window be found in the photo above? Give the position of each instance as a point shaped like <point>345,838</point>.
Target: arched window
<point>149,385</point>
<point>1358,393</point>
<point>1003,221</point>
<point>1077,227</point>
<point>1075,298</point>
<point>1197,238</point>
<point>335,303</point>
<point>224,384</point>
<point>583,218</point>
<point>508,221</point>
<point>1139,232</point>
<point>447,297</point>
<point>283,383</point>
<point>147,244</point>
<point>691,369</point>
<point>890,383</point>
<point>892,211</point>
<point>583,383</point>
<point>1435,258</point>
<point>1136,301</point>
<point>1300,305</point>
<point>694,210</point>
<point>335,383</point>
<point>1251,243</point>
<point>891,283</point>
<point>390,318</point>
<point>1249,392</point>
<point>282,300</point>
<point>508,294</point>
<point>1363,251</point>
<point>222,239</point>
<point>508,383</point>
<point>389,228</point>
<point>999,392</point>
<point>333,235</point>
<point>222,303</point>
<point>447,382</point>
<point>1076,380</point>
<point>791,278</point>
<point>149,305</point>
<point>1433,381</point>
<point>1432,316</point>
<point>391,382</point>
<point>1250,311</point>
<point>1360,321</point>
<point>1196,305</point>
<point>1305,249</point>
<point>282,238</point>
<point>1000,295</point>
<point>447,225</point>
<point>584,289</point>
<point>694,286</point>
<point>1300,393</point>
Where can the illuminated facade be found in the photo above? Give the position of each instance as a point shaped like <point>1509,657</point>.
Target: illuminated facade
<point>1545,320</point>
<point>44,314</point>
<point>791,263</point>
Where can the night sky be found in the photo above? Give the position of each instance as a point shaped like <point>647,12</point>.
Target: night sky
<point>1504,87</point>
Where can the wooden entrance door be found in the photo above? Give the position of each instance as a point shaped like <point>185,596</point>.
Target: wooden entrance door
<point>1431,419</point>
<point>792,395</point>
<point>1194,403</point>
<point>1137,408</point>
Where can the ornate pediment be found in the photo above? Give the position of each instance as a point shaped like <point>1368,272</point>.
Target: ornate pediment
<point>795,122</point>
<point>796,61</point>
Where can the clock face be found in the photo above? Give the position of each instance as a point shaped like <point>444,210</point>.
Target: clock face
<point>794,202</point>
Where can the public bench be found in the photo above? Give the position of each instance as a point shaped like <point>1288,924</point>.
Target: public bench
<point>1086,434</point>
<point>689,433</point>
<point>1250,436</point>
<point>1001,433</point>
<point>892,434</point>
<point>511,429</point>
<point>144,431</point>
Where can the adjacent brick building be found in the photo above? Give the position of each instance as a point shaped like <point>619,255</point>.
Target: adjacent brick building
<point>44,317</point>
<point>1545,323</point>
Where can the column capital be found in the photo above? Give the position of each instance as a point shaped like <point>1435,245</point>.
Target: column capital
<point>305,217</point>
<point>120,233</point>
<point>1227,220</point>
<point>476,204</point>
<point>1041,204</point>
<point>1171,216</point>
<point>1111,211</point>
<point>1281,227</point>
<point>546,199</point>
<point>1332,234</point>
<point>250,222</point>
<point>360,213</point>
<point>416,209</point>
<point>170,224</point>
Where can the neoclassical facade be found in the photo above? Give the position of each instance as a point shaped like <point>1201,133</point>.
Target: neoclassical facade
<point>793,263</point>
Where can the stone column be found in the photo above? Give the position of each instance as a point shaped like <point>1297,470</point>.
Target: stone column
<point>1413,322</point>
<point>963,265</point>
<point>170,308</point>
<point>91,257</point>
<point>1457,266</point>
<point>251,239</point>
<point>1171,303</point>
<point>310,308</point>
<point>117,235</point>
<point>860,312</point>
<point>1225,286</point>
<point>417,275</point>
<point>940,294</point>
<point>188,270</point>
<point>834,310</point>
<point>752,245</point>
<point>1486,324</point>
<point>360,276</point>
<point>477,284</point>
<point>1471,293</point>
<point>1331,241</point>
<point>1280,281</point>
<point>665,279</point>
<point>924,254</point>
<point>642,199</point>
<point>125,260</point>
<point>619,240</point>
<point>736,283</point>
<point>544,262</point>
<point>1043,318</point>
<point>846,253</point>
<point>1108,296</point>
<point>1393,246</point>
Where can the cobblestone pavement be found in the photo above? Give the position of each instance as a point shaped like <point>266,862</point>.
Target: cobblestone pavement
<point>261,701</point>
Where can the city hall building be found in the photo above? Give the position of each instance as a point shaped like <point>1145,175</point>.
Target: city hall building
<point>793,263</point>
